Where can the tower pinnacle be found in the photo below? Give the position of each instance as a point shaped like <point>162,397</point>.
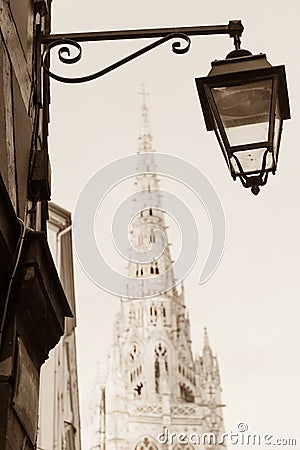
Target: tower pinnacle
<point>145,136</point>
<point>208,358</point>
<point>206,339</point>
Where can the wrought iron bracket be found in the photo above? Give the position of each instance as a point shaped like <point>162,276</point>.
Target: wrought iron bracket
<point>66,41</point>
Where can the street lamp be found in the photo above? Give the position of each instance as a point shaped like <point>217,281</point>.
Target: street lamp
<point>244,99</point>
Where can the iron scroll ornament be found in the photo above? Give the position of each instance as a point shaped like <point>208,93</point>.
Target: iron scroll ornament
<point>253,181</point>
<point>177,48</point>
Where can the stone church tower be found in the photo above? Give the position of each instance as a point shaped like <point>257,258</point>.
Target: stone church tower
<point>154,382</point>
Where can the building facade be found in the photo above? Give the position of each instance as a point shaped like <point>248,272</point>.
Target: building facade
<point>59,418</point>
<point>33,302</point>
<point>155,386</point>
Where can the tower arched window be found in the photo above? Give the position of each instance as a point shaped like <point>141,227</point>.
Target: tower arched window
<point>146,444</point>
<point>160,364</point>
<point>151,270</point>
<point>150,212</point>
<point>136,368</point>
<point>156,375</point>
<point>134,352</point>
<point>163,312</point>
<point>186,393</point>
<point>152,236</point>
<point>153,313</point>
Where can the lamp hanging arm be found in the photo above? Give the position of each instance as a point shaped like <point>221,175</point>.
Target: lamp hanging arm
<point>233,29</point>
<point>176,48</point>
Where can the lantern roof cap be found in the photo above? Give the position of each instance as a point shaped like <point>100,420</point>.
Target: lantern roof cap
<point>239,64</point>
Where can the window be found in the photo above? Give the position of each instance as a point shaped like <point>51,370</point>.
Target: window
<point>160,365</point>
<point>145,444</point>
<point>186,393</point>
<point>153,313</point>
<point>156,375</point>
<point>138,389</point>
<point>152,236</point>
<point>134,352</point>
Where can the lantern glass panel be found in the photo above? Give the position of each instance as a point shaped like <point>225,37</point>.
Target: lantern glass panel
<point>219,137</point>
<point>277,131</point>
<point>251,161</point>
<point>244,110</point>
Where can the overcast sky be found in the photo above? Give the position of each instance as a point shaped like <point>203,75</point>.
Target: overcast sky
<point>251,304</point>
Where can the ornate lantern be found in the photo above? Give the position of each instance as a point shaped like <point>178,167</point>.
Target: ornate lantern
<point>245,100</point>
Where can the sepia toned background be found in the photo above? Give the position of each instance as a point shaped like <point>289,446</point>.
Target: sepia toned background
<point>251,304</point>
